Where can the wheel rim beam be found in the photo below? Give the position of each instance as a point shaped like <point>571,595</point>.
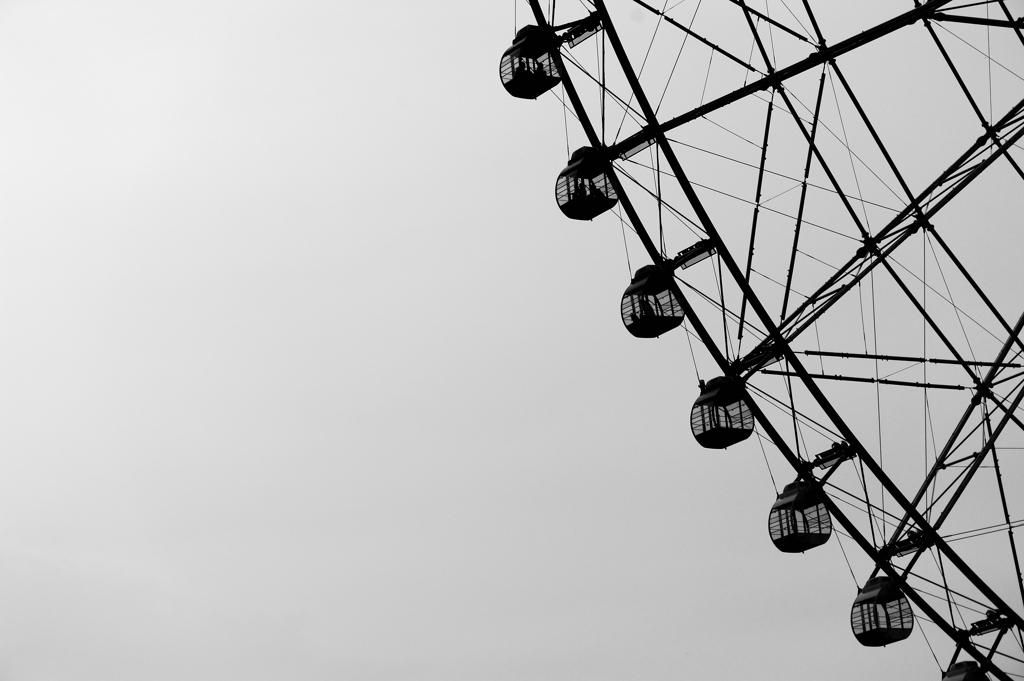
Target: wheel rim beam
<point>822,56</point>
<point>957,176</point>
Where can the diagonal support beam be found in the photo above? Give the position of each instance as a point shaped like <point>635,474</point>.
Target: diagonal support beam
<point>697,36</point>
<point>988,148</point>
<point>951,442</point>
<point>982,21</point>
<point>653,129</point>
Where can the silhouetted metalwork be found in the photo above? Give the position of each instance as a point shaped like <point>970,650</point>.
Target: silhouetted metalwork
<point>725,412</point>
<point>965,671</point>
<point>583,190</point>
<point>649,308</point>
<point>720,416</point>
<point>912,542</point>
<point>799,520</point>
<point>836,454</point>
<point>993,622</point>
<point>881,613</point>
<point>702,250</point>
<point>527,68</point>
<point>578,31</point>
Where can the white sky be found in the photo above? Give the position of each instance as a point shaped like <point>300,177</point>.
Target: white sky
<point>303,376</point>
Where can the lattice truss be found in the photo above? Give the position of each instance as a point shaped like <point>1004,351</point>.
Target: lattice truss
<point>829,201</point>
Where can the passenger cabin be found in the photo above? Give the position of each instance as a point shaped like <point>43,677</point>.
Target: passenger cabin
<point>799,520</point>
<point>649,308</point>
<point>881,614</point>
<point>584,190</point>
<point>720,416</point>
<point>527,68</point>
<point>968,670</point>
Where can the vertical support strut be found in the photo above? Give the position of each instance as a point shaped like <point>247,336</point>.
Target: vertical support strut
<point>1009,527</point>
<point>757,209</point>
<point>803,197</point>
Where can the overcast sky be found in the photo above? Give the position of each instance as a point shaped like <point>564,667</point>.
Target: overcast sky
<point>303,376</point>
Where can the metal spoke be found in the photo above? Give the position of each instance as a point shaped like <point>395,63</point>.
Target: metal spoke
<point>889,525</point>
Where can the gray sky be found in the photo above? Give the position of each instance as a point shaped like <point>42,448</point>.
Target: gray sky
<point>304,376</point>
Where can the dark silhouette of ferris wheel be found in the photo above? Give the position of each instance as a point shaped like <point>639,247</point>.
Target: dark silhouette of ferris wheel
<point>826,219</point>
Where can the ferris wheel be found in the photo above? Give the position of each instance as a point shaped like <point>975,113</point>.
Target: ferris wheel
<point>828,200</point>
